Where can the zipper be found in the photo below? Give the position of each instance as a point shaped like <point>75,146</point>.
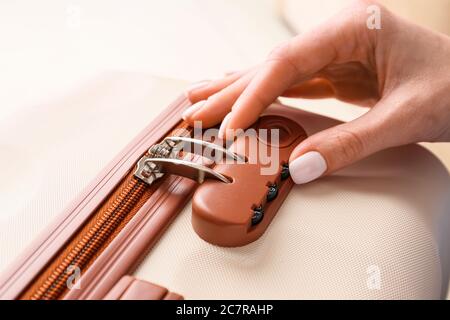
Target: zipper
<point>164,157</point>
<point>117,209</point>
<point>91,242</point>
<point>125,201</point>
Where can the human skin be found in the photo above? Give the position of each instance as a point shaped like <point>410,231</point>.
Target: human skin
<point>401,71</point>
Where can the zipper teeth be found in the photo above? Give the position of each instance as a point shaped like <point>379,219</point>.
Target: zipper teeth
<point>87,247</point>
<point>94,238</point>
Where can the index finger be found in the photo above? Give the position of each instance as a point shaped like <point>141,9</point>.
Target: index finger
<point>299,58</point>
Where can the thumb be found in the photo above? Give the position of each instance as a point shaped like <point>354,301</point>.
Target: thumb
<point>339,146</point>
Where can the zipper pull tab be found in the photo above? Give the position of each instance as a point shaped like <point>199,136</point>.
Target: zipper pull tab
<point>163,158</point>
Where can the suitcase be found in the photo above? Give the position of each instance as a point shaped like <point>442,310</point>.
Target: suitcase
<point>132,235</point>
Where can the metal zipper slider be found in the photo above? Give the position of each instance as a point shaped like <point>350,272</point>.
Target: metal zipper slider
<point>163,158</point>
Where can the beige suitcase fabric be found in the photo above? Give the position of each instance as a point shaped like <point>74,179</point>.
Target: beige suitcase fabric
<point>376,230</point>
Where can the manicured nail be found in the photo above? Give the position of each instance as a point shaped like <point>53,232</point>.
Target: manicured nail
<point>192,109</point>
<point>307,167</point>
<point>223,126</point>
<point>196,85</point>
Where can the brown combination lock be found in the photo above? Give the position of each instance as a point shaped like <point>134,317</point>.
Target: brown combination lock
<point>237,213</point>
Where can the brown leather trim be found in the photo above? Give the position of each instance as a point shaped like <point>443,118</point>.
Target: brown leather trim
<point>130,288</point>
<point>54,238</point>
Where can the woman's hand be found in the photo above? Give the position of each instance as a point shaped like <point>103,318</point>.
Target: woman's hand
<point>401,71</point>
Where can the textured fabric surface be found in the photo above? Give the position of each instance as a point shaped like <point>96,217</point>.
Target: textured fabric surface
<point>377,230</point>
<point>386,216</point>
<point>50,152</point>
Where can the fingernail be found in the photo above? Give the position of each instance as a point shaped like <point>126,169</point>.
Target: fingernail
<point>192,109</point>
<point>196,85</point>
<point>307,167</point>
<point>223,126</point>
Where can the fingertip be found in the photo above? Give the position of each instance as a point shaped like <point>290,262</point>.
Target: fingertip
<point>224,126</point>
<point>300,149</point>
<point>197,91</point>
<point>188,114</point>
<point>307,167</point>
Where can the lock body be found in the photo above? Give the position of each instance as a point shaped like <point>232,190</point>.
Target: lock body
<point>237,213</point>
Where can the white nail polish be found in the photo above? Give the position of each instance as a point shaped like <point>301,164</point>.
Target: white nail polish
<point>307,167</point>
<point>223,126</point>
<point>196,85</point>
<point>192,109</point>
